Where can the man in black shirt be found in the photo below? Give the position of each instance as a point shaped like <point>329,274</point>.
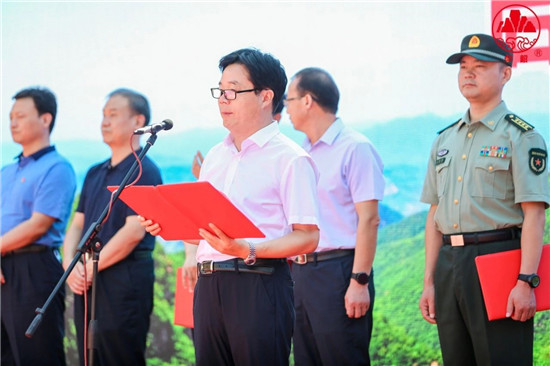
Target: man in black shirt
<point>126,271</point>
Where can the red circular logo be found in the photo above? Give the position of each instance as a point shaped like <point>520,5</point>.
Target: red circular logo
<point>516,28</point>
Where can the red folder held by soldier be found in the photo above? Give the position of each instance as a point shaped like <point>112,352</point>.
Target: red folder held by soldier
<point>498,273</point>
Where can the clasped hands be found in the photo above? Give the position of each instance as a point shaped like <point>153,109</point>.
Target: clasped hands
<point>77,280</point>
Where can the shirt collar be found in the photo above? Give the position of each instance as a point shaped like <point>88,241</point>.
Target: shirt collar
<point>329,136</point>
<point>332,132</point>
<point>37,155</point>
<point>490,120</point>
<point>107,163</point>
<point>260,137</point>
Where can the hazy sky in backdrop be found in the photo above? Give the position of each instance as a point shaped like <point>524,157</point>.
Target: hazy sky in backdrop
<point>388,58</point>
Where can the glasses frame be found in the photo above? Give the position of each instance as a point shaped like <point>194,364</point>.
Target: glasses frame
<point>286,100</point>
<point>222,92</point>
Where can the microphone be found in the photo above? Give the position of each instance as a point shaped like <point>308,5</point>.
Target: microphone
<point>164,125</point>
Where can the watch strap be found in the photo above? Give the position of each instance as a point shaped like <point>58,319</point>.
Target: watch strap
<point>251,259</point>
<point>532,279</point>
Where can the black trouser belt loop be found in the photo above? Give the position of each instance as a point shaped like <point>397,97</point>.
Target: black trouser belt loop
<point>482,236</point>
<point>322,256</point>
<point>262,266</point>
<point>31,248</point>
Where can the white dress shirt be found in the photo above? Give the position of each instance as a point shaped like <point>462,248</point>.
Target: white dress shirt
<point>271,180</point>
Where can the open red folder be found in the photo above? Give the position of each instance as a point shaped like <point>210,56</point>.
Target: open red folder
<point>181,209</point>
<point>498,274</point>
<point>183,306</point>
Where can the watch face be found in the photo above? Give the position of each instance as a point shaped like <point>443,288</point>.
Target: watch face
<point>535,280</point>
<point>362,278</point>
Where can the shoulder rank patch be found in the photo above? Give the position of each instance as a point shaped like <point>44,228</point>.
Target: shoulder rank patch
<point>449,126</point>
<point>518,122</point>
<point>537,161</point>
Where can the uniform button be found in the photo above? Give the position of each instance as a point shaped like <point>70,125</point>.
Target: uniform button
<point>470,135</point>
<point>491,168</point>
<point>455,226</point>
<point>459,179</point>
<point>463,156</point>
<point>456,202</point>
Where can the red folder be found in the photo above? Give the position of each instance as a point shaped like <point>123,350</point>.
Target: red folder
<point>183,306</point>
<point>181,209</point>
<point>498,273</point>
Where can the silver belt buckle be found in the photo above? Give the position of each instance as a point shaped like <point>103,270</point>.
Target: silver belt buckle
<point>457,240</point>
<point>300,259</point>
<point>207,267</point>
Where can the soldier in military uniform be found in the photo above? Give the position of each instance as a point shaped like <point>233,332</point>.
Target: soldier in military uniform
<point>487,185</point>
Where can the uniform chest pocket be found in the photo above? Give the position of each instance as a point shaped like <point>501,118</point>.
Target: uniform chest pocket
<point>492,178</point>
<point>442,170</point>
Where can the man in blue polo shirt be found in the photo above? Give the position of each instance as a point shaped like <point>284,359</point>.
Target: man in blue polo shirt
<point>37,195</point>
<point>126,270</point>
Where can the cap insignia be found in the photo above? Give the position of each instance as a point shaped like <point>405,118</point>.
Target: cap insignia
<point>474,42</point>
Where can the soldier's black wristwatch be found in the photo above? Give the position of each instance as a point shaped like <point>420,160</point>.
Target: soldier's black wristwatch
<point>532,279</point>
<point>361,277</point>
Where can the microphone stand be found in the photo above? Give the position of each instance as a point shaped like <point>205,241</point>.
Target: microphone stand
<point>89,242</point>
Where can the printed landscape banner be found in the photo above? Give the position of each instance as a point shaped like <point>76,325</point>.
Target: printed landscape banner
<point>388,59</point>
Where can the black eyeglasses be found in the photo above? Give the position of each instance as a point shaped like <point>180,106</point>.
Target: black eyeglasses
<point>286,100</point>
<point>230,94</point>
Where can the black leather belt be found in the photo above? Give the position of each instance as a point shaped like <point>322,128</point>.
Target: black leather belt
<point>32,248</point>
<point>457,240</point>
<point>322,256</point>
<point>262,266</point>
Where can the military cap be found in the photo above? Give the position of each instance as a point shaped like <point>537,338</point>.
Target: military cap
<point>485,48</point>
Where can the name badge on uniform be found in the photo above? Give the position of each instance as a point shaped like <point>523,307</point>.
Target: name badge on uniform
<point>440,159</point>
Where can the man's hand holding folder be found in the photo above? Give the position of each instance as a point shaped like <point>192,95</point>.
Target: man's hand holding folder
<point>498,274</point>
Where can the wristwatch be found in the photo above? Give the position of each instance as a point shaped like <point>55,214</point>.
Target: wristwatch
<point>251,259</point>
<point>361,277</point>
<point>533,279</point>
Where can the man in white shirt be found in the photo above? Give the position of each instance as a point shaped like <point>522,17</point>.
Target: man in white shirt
<point>334,292</point>
<point>243,306</point>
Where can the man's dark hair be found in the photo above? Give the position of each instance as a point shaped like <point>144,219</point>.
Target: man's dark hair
<point>264,70</point>
<point>138,103</point>
<point>279,107</point>
<point>44,101</point>
<point>320,85</point>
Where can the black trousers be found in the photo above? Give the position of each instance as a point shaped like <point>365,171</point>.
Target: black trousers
<point>324,334</point>
<point>30,277</point>
<point>123,306</point>
<point>244,318</point>
<point>466,335</point>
